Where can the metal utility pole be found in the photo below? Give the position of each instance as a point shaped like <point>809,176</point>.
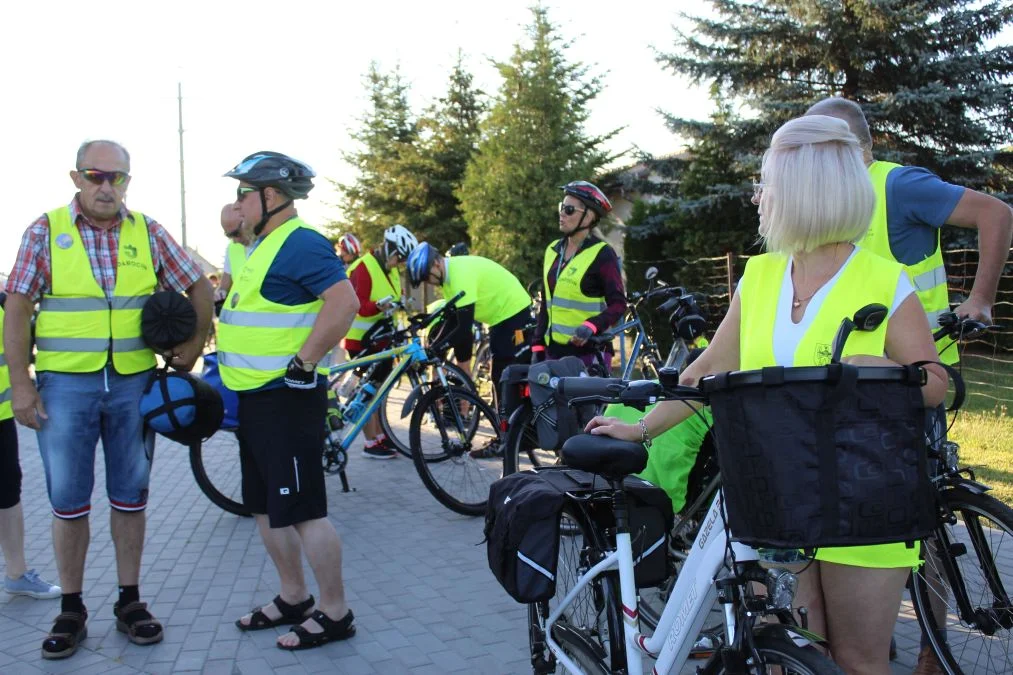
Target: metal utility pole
<point>182,180</point>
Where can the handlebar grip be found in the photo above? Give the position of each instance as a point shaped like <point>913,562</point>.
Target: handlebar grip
<point>574,387</point>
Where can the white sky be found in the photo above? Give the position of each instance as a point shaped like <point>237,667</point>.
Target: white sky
<point>284,76</point>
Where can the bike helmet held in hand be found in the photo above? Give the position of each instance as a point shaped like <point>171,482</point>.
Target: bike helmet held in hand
<point>273,169</point>
<point>350,244</point>
<point>420,262</point>
<point>397,239</point>
<point>589,195</point>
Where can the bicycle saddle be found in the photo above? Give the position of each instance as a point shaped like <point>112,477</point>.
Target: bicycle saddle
<point>604,455</point>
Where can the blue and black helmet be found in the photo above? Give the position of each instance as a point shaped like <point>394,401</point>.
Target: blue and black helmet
<point>420,261</point>
<point>273,169</point>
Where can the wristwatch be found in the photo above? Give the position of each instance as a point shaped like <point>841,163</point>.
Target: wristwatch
<point>305,366</point>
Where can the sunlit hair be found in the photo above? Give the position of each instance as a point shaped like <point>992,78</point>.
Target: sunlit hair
<point>816,189</point>
<point>850,112</point>
<point>83,150</point>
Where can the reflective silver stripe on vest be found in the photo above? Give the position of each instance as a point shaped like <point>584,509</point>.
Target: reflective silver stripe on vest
<point>129,301</point>
<point>929,280</point>
<point>3,360</point>
<point>934,317</point>
<point>579,305</point>
<point>5,395</point>
<point>362,324</point>
<point>230,360</point>
<point>48,344</point>
<point>73,305</point>
<point>121,345</point>
<point>565,330</point>
<point>267,320</point>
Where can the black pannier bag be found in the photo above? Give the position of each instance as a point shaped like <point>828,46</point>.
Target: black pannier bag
<point>650,512</point>
<point>554,420</point>
<point>522,535</point>
<point>823,455</point>
<point>513,384</point>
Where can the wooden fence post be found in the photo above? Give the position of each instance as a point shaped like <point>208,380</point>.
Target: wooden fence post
<point>730,266</point>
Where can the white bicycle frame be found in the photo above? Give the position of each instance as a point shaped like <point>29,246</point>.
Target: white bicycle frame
<point>686,610</point>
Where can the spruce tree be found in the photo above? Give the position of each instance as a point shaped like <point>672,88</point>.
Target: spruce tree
<point>533,141</point>
<point>387,188</point>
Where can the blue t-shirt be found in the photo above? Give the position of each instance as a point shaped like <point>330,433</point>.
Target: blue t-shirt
<point>303,269</point>
<point>918,202</point>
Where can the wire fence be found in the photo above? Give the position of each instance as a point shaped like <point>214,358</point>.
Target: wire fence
<point>986,361</point>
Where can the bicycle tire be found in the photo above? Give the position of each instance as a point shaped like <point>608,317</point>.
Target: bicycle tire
<point>584,632</point>
<point>789,658</point>
<point>984,645</point>
<point>452,465</point>
<point>207,485</point>
<point>521,451</point>
<point>389,412</point>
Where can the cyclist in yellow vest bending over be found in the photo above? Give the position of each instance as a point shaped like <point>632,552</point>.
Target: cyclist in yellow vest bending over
<point>91,266</point>
<point>815,202</point>
<point>375,277</point>
<point>288,307</point>
<point>581,280</point>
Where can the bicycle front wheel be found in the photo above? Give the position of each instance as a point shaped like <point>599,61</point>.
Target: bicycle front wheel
<point>961,592</point>
<point>455,441</point>
<point>783,657</point>
<point>396,411</point>
<point>215,466</point>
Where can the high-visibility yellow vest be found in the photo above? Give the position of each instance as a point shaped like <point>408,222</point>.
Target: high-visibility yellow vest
<point>927,276</point>
<point>868,278</point>
<point>567,306</point>
<point>236,253</point>
<point>5,377</point>
<point>78,326</point>
<point>256,337</point>
<point>381,287</point>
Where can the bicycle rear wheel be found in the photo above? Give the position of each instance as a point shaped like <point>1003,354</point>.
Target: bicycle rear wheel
<point>455,441</point>
<point>971,558</point>
<point>521,451</point>
<point>215,466</point>
<point>585,630</point>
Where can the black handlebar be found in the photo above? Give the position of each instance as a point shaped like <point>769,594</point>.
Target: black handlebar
<point>635,394</point>
<point>956,328</point>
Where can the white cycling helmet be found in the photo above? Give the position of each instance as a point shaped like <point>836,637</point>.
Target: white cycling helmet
<point>398,239</point>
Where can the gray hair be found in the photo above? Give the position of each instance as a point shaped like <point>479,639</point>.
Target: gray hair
<point>83,150</point>
<point>850,112</point>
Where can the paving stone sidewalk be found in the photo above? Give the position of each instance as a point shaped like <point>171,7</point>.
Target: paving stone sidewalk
<point>416,575</point>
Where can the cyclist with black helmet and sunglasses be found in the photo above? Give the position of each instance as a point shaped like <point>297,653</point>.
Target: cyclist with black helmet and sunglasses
<point>289,305</point>
<point>581,280</point>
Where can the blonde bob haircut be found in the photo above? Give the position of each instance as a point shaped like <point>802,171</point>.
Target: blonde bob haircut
<point>816,189</point>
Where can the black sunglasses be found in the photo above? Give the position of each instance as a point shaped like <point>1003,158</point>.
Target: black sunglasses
<point>234,233</point>
<point>97,177</point>
<point>569,209</point>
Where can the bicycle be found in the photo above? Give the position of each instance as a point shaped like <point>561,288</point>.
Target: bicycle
<point>592,624</point>
<point>215,470</point>
<point>522,451</point>
<point>962,590</point>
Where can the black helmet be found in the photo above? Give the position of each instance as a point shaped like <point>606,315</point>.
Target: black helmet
<point>273,169</point>
<point>460,248</point>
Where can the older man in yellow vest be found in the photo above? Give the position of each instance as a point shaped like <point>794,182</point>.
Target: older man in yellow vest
<point>288,307</point>
<point>91,265</point>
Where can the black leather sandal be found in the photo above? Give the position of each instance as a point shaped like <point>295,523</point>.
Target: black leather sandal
<point>137,622</point>
<point>69,629</point>
<point>334,631</point>
<point>290,614</point>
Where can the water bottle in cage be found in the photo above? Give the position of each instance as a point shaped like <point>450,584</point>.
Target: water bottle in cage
<point>355,407</point>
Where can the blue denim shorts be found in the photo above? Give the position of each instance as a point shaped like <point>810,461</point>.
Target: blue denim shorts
<point>82,409</point>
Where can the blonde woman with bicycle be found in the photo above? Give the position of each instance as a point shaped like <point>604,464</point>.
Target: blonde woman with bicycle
<point>815,200</point>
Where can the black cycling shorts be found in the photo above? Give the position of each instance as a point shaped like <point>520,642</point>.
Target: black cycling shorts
<point>505,339</point>
<point>10,467</point>
<point>382,370</point>
<point>281,441</point>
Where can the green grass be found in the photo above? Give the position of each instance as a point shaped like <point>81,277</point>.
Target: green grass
<point>986,445</point>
